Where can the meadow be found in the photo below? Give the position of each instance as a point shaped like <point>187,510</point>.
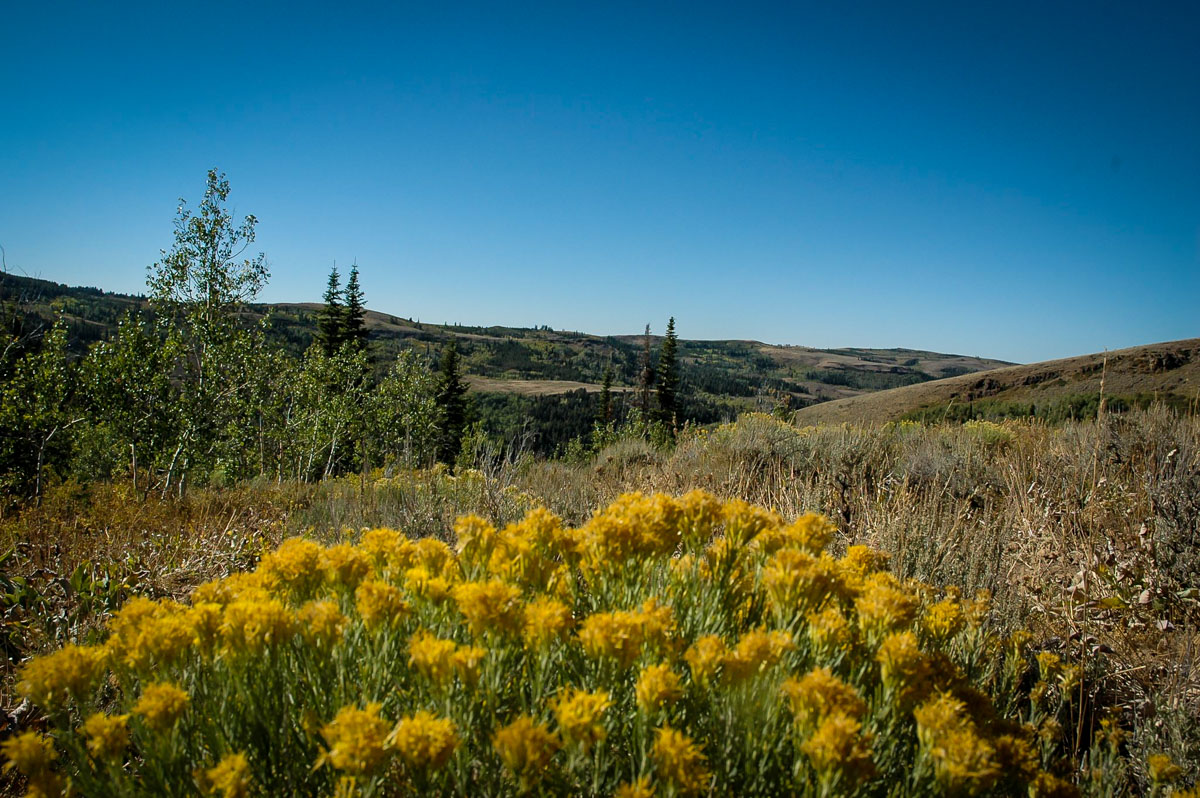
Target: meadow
<point>758,609</point>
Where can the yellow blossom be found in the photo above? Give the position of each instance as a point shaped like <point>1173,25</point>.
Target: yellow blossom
<point>236,586</point>
<point>432,656</point>
<point>321,623</point>
<point>546,620</point>
<point>699,514</point>
<point>388,550</point>
<point>107,735</point>
<point>31,753</point>
<point>380,604</point>
<point>903,666</point>
<point>756,651</point>
<point>490,606</point>
<point>621,635</point>
<point>70,673</point>
<point>839,751</point>
<point>476,537</point>
<point>420,582</point>
<point>963,760</point>
<point>345,565</point>
<point>356,740</point>
<point>943,620</point>
<point>830,631</point>
<point>656,686</point>
<point>796,581</point>
<point>704,657</point>
<point>578,713</point>
<point>639,788</point>
<point>884,606</point>
<point>810,533</point>
<point>294,567</point>
<point>819,694</point>
<point>467,661</point>
<point>436,557</point>
<point>743,521</point>
<point>859,563</point>
<point>425,741</point>
<point>679,761</point>
<point>633,525</point>
<point>161,705</point>
<point>525,747</point>
<point>251,625</point>
<point>229,778</point>
<point>1162,769</point>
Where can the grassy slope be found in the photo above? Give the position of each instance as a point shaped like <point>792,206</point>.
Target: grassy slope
<point>1164,369</point>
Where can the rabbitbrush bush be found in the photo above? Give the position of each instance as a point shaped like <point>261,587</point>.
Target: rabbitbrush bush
<point>666,647</point>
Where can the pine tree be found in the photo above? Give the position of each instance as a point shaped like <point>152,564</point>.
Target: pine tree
<point>452,406</point>
<point>330,322</point>
<point>645,377</point>
<point>668,376</point>
<point>353,325</point>
<point>605,410</point>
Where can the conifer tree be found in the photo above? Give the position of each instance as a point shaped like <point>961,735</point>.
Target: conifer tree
<point>605,411</point>
<point>645,377</point>
<point>353,326</point>
<point>330,322</point>
<point>668,376</point>
<point>452,406</point>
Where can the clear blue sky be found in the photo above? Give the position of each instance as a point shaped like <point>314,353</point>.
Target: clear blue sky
<point>1008,179</point>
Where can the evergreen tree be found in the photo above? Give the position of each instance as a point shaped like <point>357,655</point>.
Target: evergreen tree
<point>452,406</point>
<point>668,376</point>
<point>353,325</point>
<point>645,377</point>
<point>330,322</point>
<point>605,412</point>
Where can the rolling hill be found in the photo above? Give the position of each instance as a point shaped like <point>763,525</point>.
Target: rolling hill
<point>1056,389</point>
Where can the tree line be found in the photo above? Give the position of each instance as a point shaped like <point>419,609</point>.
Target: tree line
<point>192,392</point>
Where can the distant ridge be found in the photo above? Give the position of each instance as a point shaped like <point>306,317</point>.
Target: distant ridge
<point>1168,371</point>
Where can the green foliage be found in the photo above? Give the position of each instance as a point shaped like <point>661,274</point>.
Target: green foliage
<point>354,328</point>
<point>330,321</point>
<point>452,406</point>
<point>668,377</point>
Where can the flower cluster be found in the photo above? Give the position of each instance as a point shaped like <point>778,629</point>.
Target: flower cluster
<point>666,646</point>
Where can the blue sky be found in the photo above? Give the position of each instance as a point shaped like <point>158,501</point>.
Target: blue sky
<point>1014,180</point>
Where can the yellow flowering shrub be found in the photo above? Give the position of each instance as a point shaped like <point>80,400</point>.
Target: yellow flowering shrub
<point>667,646</point>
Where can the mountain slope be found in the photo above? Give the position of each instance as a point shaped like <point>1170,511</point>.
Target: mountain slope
<point>1167,371</point>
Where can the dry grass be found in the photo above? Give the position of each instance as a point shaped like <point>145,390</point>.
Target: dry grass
<point>1088,534</point>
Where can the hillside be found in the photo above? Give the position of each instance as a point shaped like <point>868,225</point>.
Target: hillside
<point>721,377</point>
<point>1055,389</point>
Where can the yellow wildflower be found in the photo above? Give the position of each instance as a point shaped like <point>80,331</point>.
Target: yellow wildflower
<point>357,740</point>
<point>425,741</point>
<point>679,761</point>
<point>1162,770</point>
<point>239,585</point>
<point>809,533</point>
<point>153,638</point>
<point>419,581</point>
<point>943,620</point>
<point>388,550</point>
<point>205,619</point>
<point>977,611</point>
<point>795,581</point>
<point>490,606</point>
<point>161,705</point>
<point>656,686</point>
<point>962,759</point>
<point>819,694</point>
<point>432,656</point>
<point>1049,665</point>
<point>884,606</point>
<point>252,625</point>
<point>525,747</point>
<point>621,635</point>
<point>229,778</point>
<point>756,652</point>
<point>859,563</point>
<point>699,514</point>
<point>436,556</point>
<point>321,623</point>
<point>744,521</point>
<point>294,567</point>
<point>546,620</point>
<point>31,753</point>
<point>107,735</point>
<point>705,657</point>
<point>476,537</point>
<point>903,666</point>
<point>380,604</point>
<point>830,631</point>
<point>70,673</point>
<point>639,788</point>
<point>467,660</point>
<point>345,565</point>
<point>838,750</point>
<point>633,525</point>
<point>578,713</point>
